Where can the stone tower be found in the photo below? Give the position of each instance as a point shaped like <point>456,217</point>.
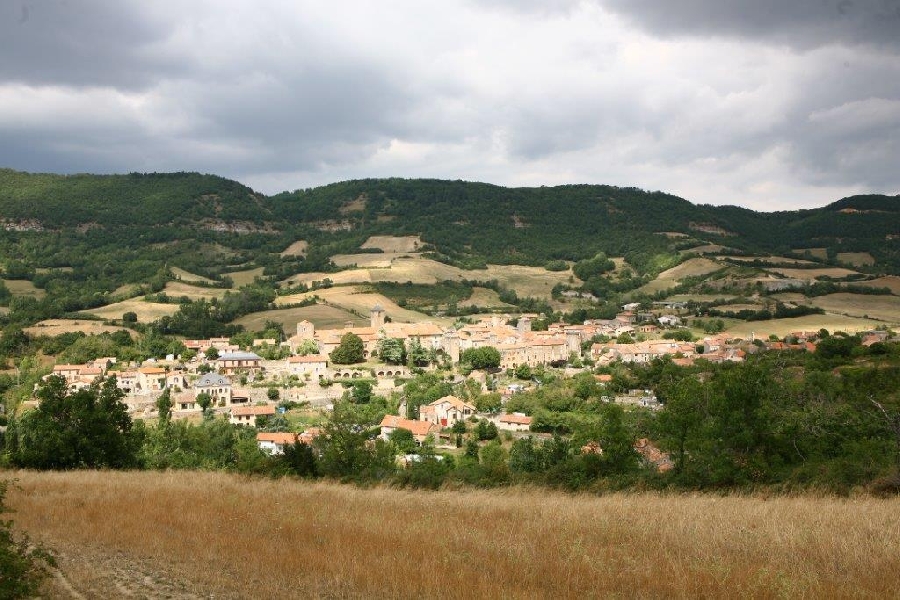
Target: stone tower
<point>306,330</point>
<point>376,317</point>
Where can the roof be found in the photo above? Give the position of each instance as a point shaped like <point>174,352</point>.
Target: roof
<point>309,358</point>
<point>453,400</point>
<point>68,368</point>
<point>277,438</point>
<point>212,380</point>
<point>152,370</point>
<point>416,427</point>
<point>516,419</point>
<point>239,356</point>
<point>243,411</point>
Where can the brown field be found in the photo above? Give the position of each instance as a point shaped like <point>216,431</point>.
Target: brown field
<point>352,299</point>
<point>811,274</point>
<point>705,249</point>
<point>526,281</point>
<point>146,311</point>
<point>671,277</point>
<point>821,253</point>
<point>186,276</point>
<point>857,259</point>
<point>195,534</point>
<point>242,278</point>
<point>53,327</point>
<point>389,243</point>
<point>892,282</point>
<point>320,315</point>
<point>23,287</point>
<point>886,308</point>
<point>298,248</point>
<point>485,298</point>
<point>783,327</point>
<point>367,261</point>
<point>699,297</point>
<point>782,260</point>
<point>739,307</point>
<point>177,289</point>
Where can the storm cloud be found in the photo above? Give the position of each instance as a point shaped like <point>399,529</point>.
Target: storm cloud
<point>769,106</point>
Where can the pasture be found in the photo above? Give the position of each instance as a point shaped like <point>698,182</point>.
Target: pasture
<point>54,327</point>
<point>209,534</point>
<point>146,311</point>
<point>320,315</point>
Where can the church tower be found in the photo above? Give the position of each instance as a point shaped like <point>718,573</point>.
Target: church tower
<point>376,317</point>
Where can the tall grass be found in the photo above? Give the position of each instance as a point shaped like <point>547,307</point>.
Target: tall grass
<point>259,538</point>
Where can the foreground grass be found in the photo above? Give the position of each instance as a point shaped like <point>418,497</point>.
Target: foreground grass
<point>226,535</point>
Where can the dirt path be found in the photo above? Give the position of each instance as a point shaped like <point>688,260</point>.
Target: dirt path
<point>87,572</point>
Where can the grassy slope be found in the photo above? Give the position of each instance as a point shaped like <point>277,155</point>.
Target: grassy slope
<point>218,534</point>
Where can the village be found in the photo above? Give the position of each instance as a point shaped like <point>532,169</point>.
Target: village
<point>236,383</point>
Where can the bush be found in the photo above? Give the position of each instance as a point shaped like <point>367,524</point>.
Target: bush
<point>22,566</point>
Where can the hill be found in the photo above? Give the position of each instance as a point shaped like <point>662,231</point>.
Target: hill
<point>86,241</point>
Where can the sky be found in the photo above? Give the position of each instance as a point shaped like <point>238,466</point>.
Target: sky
<point>768,104</point>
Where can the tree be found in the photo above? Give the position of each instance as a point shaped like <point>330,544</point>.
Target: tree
<point>89,428</point>
<point>129,317</point>
<point>486,430</point>
<point>361,392</point>
<point>350,351</point>
<point>308,347</point>
<point>273,394</point>
<point>523,372</point>
<point>392,351</point>
<point>485,357</point>
<point>164,405</point>
<point>205,401</point>
<point>418,355</point>
<point>489,403</point>
<point>403,440</point>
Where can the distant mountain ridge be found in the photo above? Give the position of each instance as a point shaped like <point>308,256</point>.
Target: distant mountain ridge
<point>462,222</point>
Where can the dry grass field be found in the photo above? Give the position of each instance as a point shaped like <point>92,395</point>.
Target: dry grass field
<point>367,261</point>
<point>352,299</point>
<point>689,268</point>
<point>177,289</point>
<point>298,248</point>
<point>53,327</point>
<point>885,308</point>
<point>146,311</point>
<point>188,535</point>
<point>706,249</point>
<point>389,243</point>
<point>187,276</point>
<point>320,315</point>
<point>242,278</point>
<point>857,259</point>
<point>526,281</point>
<point>821,253</point>
<point>892,282</point>
<point>783,327</point>
<point>22,287</point>
<point>486,298</point>
<point>812,274</point>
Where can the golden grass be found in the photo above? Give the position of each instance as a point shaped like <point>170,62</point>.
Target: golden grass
<point>53,327</point>
<point>352,299</point>
<point>783,327</point>
<point>886,308</point>
<point>320,315</point>
<point>187,276</point>
<point>22,287</point>
<point>892,282</point>
<point>242,278</point>
<point>177,289</point>
<point>298,248</point>
<point>821,253</point>
<point>146,311</point>
<point>857,259</point>
<point>485,298</point>
<point>670,278</point>
<point>390,243</point>
<point>217,534</point>
<point>812,274</point>
<point>367,261</point>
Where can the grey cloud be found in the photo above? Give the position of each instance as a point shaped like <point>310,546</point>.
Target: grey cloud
<point>797,23</point>
<point>82,43</point>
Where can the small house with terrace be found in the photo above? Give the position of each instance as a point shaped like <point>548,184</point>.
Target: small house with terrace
<point>246,415</point>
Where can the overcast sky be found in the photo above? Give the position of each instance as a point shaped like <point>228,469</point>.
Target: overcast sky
<point>770,104</point>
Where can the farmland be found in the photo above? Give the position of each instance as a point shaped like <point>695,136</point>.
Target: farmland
<point>287,538</point>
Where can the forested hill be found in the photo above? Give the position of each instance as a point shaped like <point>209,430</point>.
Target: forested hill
<point>465,223</point>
